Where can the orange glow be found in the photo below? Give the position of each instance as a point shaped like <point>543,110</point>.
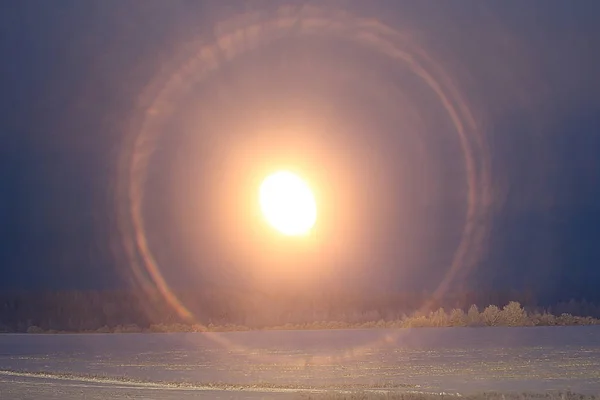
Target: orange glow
<point>288,204</point>
<point>219,230</point>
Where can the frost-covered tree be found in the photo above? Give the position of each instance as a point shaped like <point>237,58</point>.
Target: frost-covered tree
<point>514,315</point>
<point>491,316</point>
<point>473,316</point>
<point>439,318</point>
<point>458,317</point>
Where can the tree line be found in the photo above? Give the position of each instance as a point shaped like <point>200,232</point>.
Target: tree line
<point>128,310</point>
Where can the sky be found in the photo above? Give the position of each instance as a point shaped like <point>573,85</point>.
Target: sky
<point>473,157</point>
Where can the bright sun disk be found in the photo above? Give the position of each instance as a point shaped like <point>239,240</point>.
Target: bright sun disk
<point>287,203</point>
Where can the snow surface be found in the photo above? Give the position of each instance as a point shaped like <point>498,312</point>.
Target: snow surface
<point>271,364</point>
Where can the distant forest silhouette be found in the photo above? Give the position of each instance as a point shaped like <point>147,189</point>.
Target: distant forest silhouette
<point>130,311</point>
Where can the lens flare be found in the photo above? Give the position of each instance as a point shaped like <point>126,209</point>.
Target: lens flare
<point>245,34</point>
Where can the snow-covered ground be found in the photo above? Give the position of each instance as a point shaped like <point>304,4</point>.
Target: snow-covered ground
<point>284,363</point>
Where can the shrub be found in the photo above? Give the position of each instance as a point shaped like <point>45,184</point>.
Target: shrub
<point>565,319</point>
<point>568,319</point>
<point>368,325</point>
<point>397,323</point>
<point>158,328</point>
<point>199,328</point>
<point>178,327</point>
<point>34,329</point>
<point>380,324</point>
<point>104,329</point>
<point>544,319</point>
<point>417,321</point>
<point>130,328</point>
<point>229,328</point>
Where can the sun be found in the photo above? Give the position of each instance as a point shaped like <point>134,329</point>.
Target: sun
<point>288,203</point>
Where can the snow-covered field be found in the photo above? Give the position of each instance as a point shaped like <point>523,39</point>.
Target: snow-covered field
<point>284,364</point>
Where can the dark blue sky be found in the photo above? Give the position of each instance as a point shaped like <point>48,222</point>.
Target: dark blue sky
<point>73,72</point>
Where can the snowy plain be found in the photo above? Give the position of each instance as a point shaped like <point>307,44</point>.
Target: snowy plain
<point>286,364</point>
